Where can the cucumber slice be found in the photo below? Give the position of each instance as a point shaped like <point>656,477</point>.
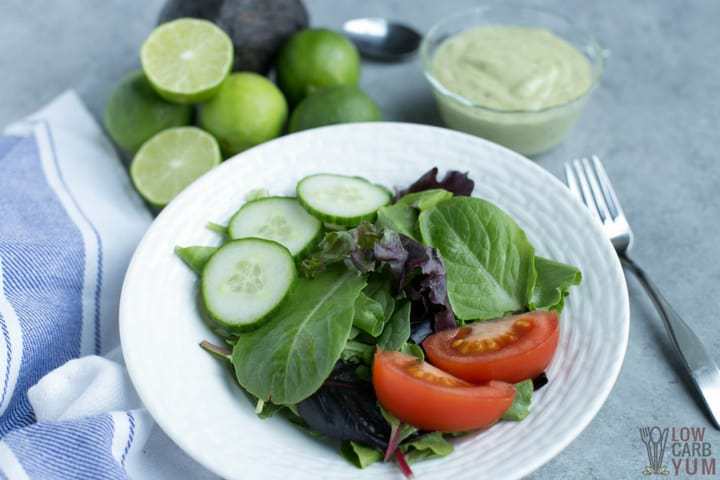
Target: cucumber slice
<point>245,280</point>
<point>340,199</point>
<point>281,219</point>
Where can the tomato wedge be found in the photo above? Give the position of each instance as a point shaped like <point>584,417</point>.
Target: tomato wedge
<point>510,349</point>
<point>430,399</point>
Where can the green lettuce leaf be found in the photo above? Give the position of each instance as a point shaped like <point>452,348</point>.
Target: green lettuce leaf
<point>400,218</point>
<point>378,288</point>
<point>358,352</point>
<point>195,257</point>
<point>426,199</point>
<point>369,315</point>
<point>520,407</point>
<point>554,280</point>
<point>487,256</point>
<point>290,355</point>
<point>360,455</point>
<point>397,330</point>
<point>430,445</point>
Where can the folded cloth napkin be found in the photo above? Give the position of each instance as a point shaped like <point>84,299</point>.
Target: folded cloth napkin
<point>69,222</point>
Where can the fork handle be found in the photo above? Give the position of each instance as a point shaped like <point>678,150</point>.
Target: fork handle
<point>699,364</point>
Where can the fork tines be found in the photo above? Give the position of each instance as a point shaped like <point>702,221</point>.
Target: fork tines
<point>588,180</point>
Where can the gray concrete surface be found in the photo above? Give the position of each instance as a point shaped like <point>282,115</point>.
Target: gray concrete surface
<point>654,120</point>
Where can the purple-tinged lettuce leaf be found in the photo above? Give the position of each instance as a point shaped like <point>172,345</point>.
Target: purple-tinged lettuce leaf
<point>354,247</point>
<point>455,182</point>
<point>416,269</point>
<point>345,408</point>
<point>540,381</point>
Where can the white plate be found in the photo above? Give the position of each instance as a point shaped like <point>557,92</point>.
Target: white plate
<point>193,397</point>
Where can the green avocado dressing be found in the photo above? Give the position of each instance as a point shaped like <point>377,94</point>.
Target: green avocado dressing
<point>512,68</point>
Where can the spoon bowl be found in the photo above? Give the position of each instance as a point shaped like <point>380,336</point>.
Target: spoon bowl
<point>379,39</point>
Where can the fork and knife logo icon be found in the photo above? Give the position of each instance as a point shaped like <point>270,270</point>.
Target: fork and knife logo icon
<point>655,440</point>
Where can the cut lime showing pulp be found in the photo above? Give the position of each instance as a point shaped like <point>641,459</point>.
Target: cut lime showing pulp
<point>187,59</point>
<point>172,160</point>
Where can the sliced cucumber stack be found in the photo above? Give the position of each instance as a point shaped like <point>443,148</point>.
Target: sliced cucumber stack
<point>245,280</point>
<point>340,199</point>
<point>281,219</point>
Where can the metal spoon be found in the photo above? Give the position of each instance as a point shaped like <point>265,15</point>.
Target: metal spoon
<point>382,40</point>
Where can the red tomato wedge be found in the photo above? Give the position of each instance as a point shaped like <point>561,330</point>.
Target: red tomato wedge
<point>430,399</point>
<point>510,349</point>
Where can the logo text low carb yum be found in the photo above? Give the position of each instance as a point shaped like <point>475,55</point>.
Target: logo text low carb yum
<point>689,453</point>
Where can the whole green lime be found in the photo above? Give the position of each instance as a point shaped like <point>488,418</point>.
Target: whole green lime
<point>314,59</point>
<point>344,104</point>
<point>135,112</point>
<point>248,110</point>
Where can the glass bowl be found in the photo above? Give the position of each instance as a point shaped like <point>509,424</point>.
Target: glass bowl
<point>529,132</point>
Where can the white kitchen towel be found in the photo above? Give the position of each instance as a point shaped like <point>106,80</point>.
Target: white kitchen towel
<point>69,222</point>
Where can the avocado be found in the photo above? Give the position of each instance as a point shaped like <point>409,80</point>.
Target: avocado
<point>258,28</point>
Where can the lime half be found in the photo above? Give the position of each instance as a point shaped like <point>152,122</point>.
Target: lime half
<point>187,59</point>
<point>172,160</point>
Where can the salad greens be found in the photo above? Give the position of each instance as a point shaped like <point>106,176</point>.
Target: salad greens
<point>195,257</point>
<point>399,218</point>
<point>425,447</point>
<point>360,455</point>
<point>520,407</point>
<point>290,355</point>
<point>392,275</point>
<point>424,200</point>
<point>397,330</point>
<point>488,258</point>
<point>369,315</point>
<point>553,284</point>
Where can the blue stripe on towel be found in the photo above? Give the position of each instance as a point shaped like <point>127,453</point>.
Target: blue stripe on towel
<point>7,143</point>
<point>43,261</point>
<point>98,240</point>
<point>72,450</point>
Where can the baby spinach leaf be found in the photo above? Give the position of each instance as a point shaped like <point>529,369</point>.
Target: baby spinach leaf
<point>488,259</point>
<point>289,356</point>
<point>195,257</point>
<point>426,199</point>
<point>400,218</point>
<point>358,352</point>
<point>520,407</point>
<point>369,315</point>
<point>430,445</point>
<point>397,330</point>
<point>360,455</point>
<point>554,280</point>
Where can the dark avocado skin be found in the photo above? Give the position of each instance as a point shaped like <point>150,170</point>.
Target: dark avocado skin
<point>258,28</point>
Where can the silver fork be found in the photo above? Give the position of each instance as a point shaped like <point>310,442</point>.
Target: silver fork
<point>589,182</point>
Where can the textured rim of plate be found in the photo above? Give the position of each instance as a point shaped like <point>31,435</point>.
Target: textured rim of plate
<point>135,365</point>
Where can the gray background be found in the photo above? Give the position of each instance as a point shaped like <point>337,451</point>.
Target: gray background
<point>654,120</point>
